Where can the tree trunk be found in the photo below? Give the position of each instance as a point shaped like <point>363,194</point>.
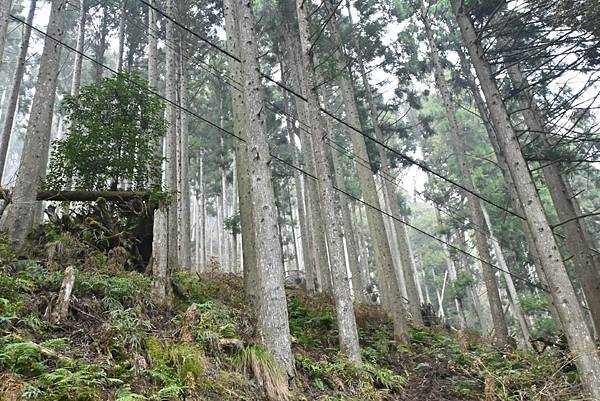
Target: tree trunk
<point>5,6</point>
<point>184,167</point>
<point>489,277</point>
<point>348,334</point>
<point>171,148</point>
<point>101,45</point>
<point>121,48</point>
<point>587,262</point>
<point>76,81</point>
<point>241,158</point>
<point>510,286</point>
<point>159,260</point>
<point>406,259</point>
<point>202,234</point>
<point>13,99</point>
<point>484,115</point>
<point>577,333</point>
<point>152,47</point>
<point>317,230</point>
<point>383,255</point>
<point>271,306</point>
<point>357,284</point>
<point>20,214</point>
<point>452,272</point>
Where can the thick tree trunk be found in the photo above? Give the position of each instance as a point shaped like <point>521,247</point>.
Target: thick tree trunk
<point>271,302</point>
<point>159,260</point>
<point>348,334</point>
<point>317,231</point>
<point>489,277</point>
<point>20,214</point>
<point>241,158</point>
<point>13,99</point>
<point>383,256</point>
<point>578,335</point>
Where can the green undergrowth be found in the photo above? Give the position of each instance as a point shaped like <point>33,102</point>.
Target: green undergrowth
<point>117,345</point>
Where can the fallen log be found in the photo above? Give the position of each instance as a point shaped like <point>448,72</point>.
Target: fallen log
<point>83,196</point>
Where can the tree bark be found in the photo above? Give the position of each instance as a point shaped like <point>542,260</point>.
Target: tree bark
<point>121,48</point>
<point>101,45</point>
<point>317,230</point>
<point>577,333</point>
<point>13,99</point>
<point>271,306</point>
<point>348,334</point>
<point>20,214</point>
<point>489,277</point>
<point>357,284</point>
<point>159,261</point>
<point>152,47</point>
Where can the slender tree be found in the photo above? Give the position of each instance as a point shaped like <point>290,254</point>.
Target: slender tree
<point>13,99</point>
<point>406,259</point>
<point>348,334</point>
<point>489,277</point>
<point>5,6</point>
<point>20,213</point>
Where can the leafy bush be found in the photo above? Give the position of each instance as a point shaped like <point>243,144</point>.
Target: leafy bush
<point>114,128</point>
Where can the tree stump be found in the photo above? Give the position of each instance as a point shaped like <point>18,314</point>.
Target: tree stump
<point>59,312</point>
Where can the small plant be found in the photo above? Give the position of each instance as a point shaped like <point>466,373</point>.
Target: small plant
<point>128,329</point>
<point>265,370</point>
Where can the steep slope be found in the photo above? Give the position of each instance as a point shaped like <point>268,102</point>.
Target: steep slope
<point>117,345</point>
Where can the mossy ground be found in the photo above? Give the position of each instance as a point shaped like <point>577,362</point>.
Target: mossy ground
<point>118,345</point>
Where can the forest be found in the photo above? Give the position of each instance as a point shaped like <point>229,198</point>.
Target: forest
<point>298,200</point>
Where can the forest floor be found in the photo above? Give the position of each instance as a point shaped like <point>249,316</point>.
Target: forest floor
<point>116,344</point>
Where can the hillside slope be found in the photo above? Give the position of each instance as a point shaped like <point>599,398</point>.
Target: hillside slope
<point>117,345</point>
